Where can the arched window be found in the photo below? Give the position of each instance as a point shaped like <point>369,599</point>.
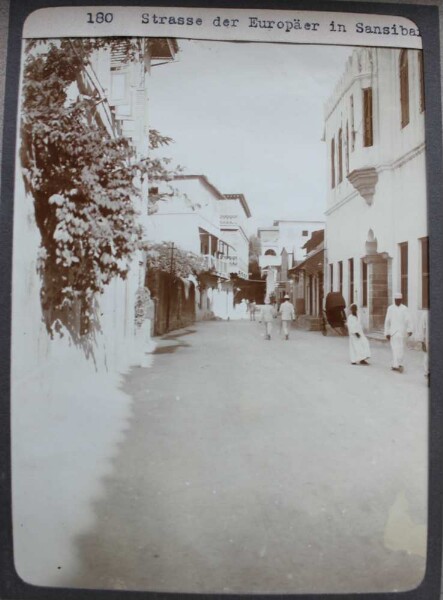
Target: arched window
<point>270,253</point>
<point>333,163</point>
<point>404,87</point>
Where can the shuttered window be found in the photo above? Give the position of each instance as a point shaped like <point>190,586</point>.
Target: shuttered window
<point>368,135</point>
<point>332,163</point>
<point>404,87</point>
<point>404,271</point>
<point>351,280</point>
<point>340,277</point>
<point>364,283</point>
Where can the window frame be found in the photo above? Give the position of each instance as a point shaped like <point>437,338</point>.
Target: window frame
<point>368,118</point>
<point>403,65</point>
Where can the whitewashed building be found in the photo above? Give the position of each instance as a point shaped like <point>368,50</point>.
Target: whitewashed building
<point>234,212</point>
<point>67,402</point>
<point>202,220</point>
<point>282,246</point>
<point>376,218</point>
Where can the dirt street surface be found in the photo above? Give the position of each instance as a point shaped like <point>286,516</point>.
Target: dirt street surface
<point>265,466</point>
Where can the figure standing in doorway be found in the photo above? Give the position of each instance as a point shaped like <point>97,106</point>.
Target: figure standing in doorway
<point>252,308</point>
<point>398,327</point>
<point>267,315</point>
<point>359,350</point>
<point>287,313</point>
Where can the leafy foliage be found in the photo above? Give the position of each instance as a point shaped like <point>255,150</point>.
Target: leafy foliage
<point>81,177</point>
<point>161,257</point>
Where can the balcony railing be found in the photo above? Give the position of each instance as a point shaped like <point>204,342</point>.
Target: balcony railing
<point>219,265</point>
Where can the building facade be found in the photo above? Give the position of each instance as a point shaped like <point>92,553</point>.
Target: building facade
<point>234,212</point>
<point>376,217</point>
<point>282,246</point>
<point>202,220</point>
<point>307,290</point>
<point>110,80</point>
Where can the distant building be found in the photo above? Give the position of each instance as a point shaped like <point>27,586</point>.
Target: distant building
<point>376,228</point>
<point>202,220</point>
<point>307,290</point>
<point>234,211</point>
<point>282,246</point>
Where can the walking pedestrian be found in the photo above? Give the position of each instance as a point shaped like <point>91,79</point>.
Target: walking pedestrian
<point>267,315</point>
<point>252,308</point>
<point>359,350</point>
<point>287,313</point>
<point>398,327</point>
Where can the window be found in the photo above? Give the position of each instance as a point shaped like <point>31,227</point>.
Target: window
<point>404,271</point>
<point>340,156</point>
<point>424,272</point>
<point>332,163</point>
<point>331,278</point>
<point>204,243</point>
<point>351,280</point>
<point>352,124</point>
<point>404,87</point>
<point>118,86</point>
<point>270,252</point>
<point>340,277</point>
<point>364,283</point>
<point>368,137</point>
<point>421,80</point>
<point>305,233</point>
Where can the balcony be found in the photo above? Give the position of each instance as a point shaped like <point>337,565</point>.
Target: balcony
<point>236,265</point>
<point>220,266</point>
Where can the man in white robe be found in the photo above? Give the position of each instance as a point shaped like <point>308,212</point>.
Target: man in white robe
<point>267,314</point>
<point>398,327</point>
<point>287,313</point>
<point>359,350</point>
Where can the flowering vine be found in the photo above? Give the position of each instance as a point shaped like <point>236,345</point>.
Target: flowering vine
<point>81,177</point>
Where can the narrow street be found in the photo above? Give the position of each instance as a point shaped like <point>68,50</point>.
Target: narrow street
<point>264,466</point>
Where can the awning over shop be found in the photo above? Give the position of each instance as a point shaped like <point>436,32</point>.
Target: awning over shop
<point>312,265</point>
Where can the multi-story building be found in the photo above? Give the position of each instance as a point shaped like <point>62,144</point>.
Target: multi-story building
<point>376,228</point>
<point>202,220</point>
<point>68,382</point>
<point>282,246</point>
<point>234,211</point>
<point>120,90</point>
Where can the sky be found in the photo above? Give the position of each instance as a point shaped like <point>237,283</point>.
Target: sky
<point>250,117</point>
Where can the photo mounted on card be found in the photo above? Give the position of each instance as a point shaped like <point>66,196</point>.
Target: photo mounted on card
<point>220,357</point>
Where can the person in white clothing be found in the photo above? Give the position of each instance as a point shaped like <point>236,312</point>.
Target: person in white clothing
<point>398,327</point>
<point>359,350</point>
<point>287,313</point>
<point>267,315</point>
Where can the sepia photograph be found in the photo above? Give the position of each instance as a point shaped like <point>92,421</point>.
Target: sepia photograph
<point>220,299</point>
